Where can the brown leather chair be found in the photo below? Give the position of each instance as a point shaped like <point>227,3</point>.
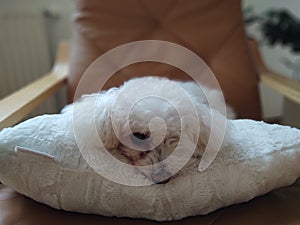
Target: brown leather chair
<point>214,30</point>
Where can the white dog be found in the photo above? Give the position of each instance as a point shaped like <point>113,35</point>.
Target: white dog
<point>145,120</point>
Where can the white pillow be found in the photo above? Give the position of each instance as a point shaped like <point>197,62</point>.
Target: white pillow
<point>49,168</point>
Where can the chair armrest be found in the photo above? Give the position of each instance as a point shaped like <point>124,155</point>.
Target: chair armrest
<point>285,86</point>
<point>17,105</point>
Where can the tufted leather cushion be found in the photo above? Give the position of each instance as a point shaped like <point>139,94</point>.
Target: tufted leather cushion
<point>213,29</point>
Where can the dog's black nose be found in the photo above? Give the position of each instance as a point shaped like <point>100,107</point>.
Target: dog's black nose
<point>140,136</point>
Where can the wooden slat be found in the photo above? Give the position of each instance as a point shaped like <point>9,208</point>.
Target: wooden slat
<point>285,86</point>
<point>17,105</point>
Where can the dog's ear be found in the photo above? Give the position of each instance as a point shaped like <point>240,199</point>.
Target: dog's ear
<point>104,121</point>
<point>214,126</point>
<point>205,126</point>
<point>214,135</point>
<point>105,130</point>
<point>92,122</point>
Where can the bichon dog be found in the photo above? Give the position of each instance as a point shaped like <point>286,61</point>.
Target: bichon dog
<point>145,120</point>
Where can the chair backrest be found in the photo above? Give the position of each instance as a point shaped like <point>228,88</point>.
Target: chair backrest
<point>213,29</point>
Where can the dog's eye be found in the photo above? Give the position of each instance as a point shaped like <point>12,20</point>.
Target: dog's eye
<point>140,136</point>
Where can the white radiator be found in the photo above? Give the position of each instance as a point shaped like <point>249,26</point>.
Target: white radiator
<point>24,51</point>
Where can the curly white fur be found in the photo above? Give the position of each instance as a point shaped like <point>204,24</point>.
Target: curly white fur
<point>151,130</point>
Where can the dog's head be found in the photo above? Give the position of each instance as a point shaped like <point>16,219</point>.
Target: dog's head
<point>146,120</point>
<point>150,118</point>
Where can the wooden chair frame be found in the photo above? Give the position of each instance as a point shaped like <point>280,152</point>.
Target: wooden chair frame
<point>290,89</point>
<point>17,105</point>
